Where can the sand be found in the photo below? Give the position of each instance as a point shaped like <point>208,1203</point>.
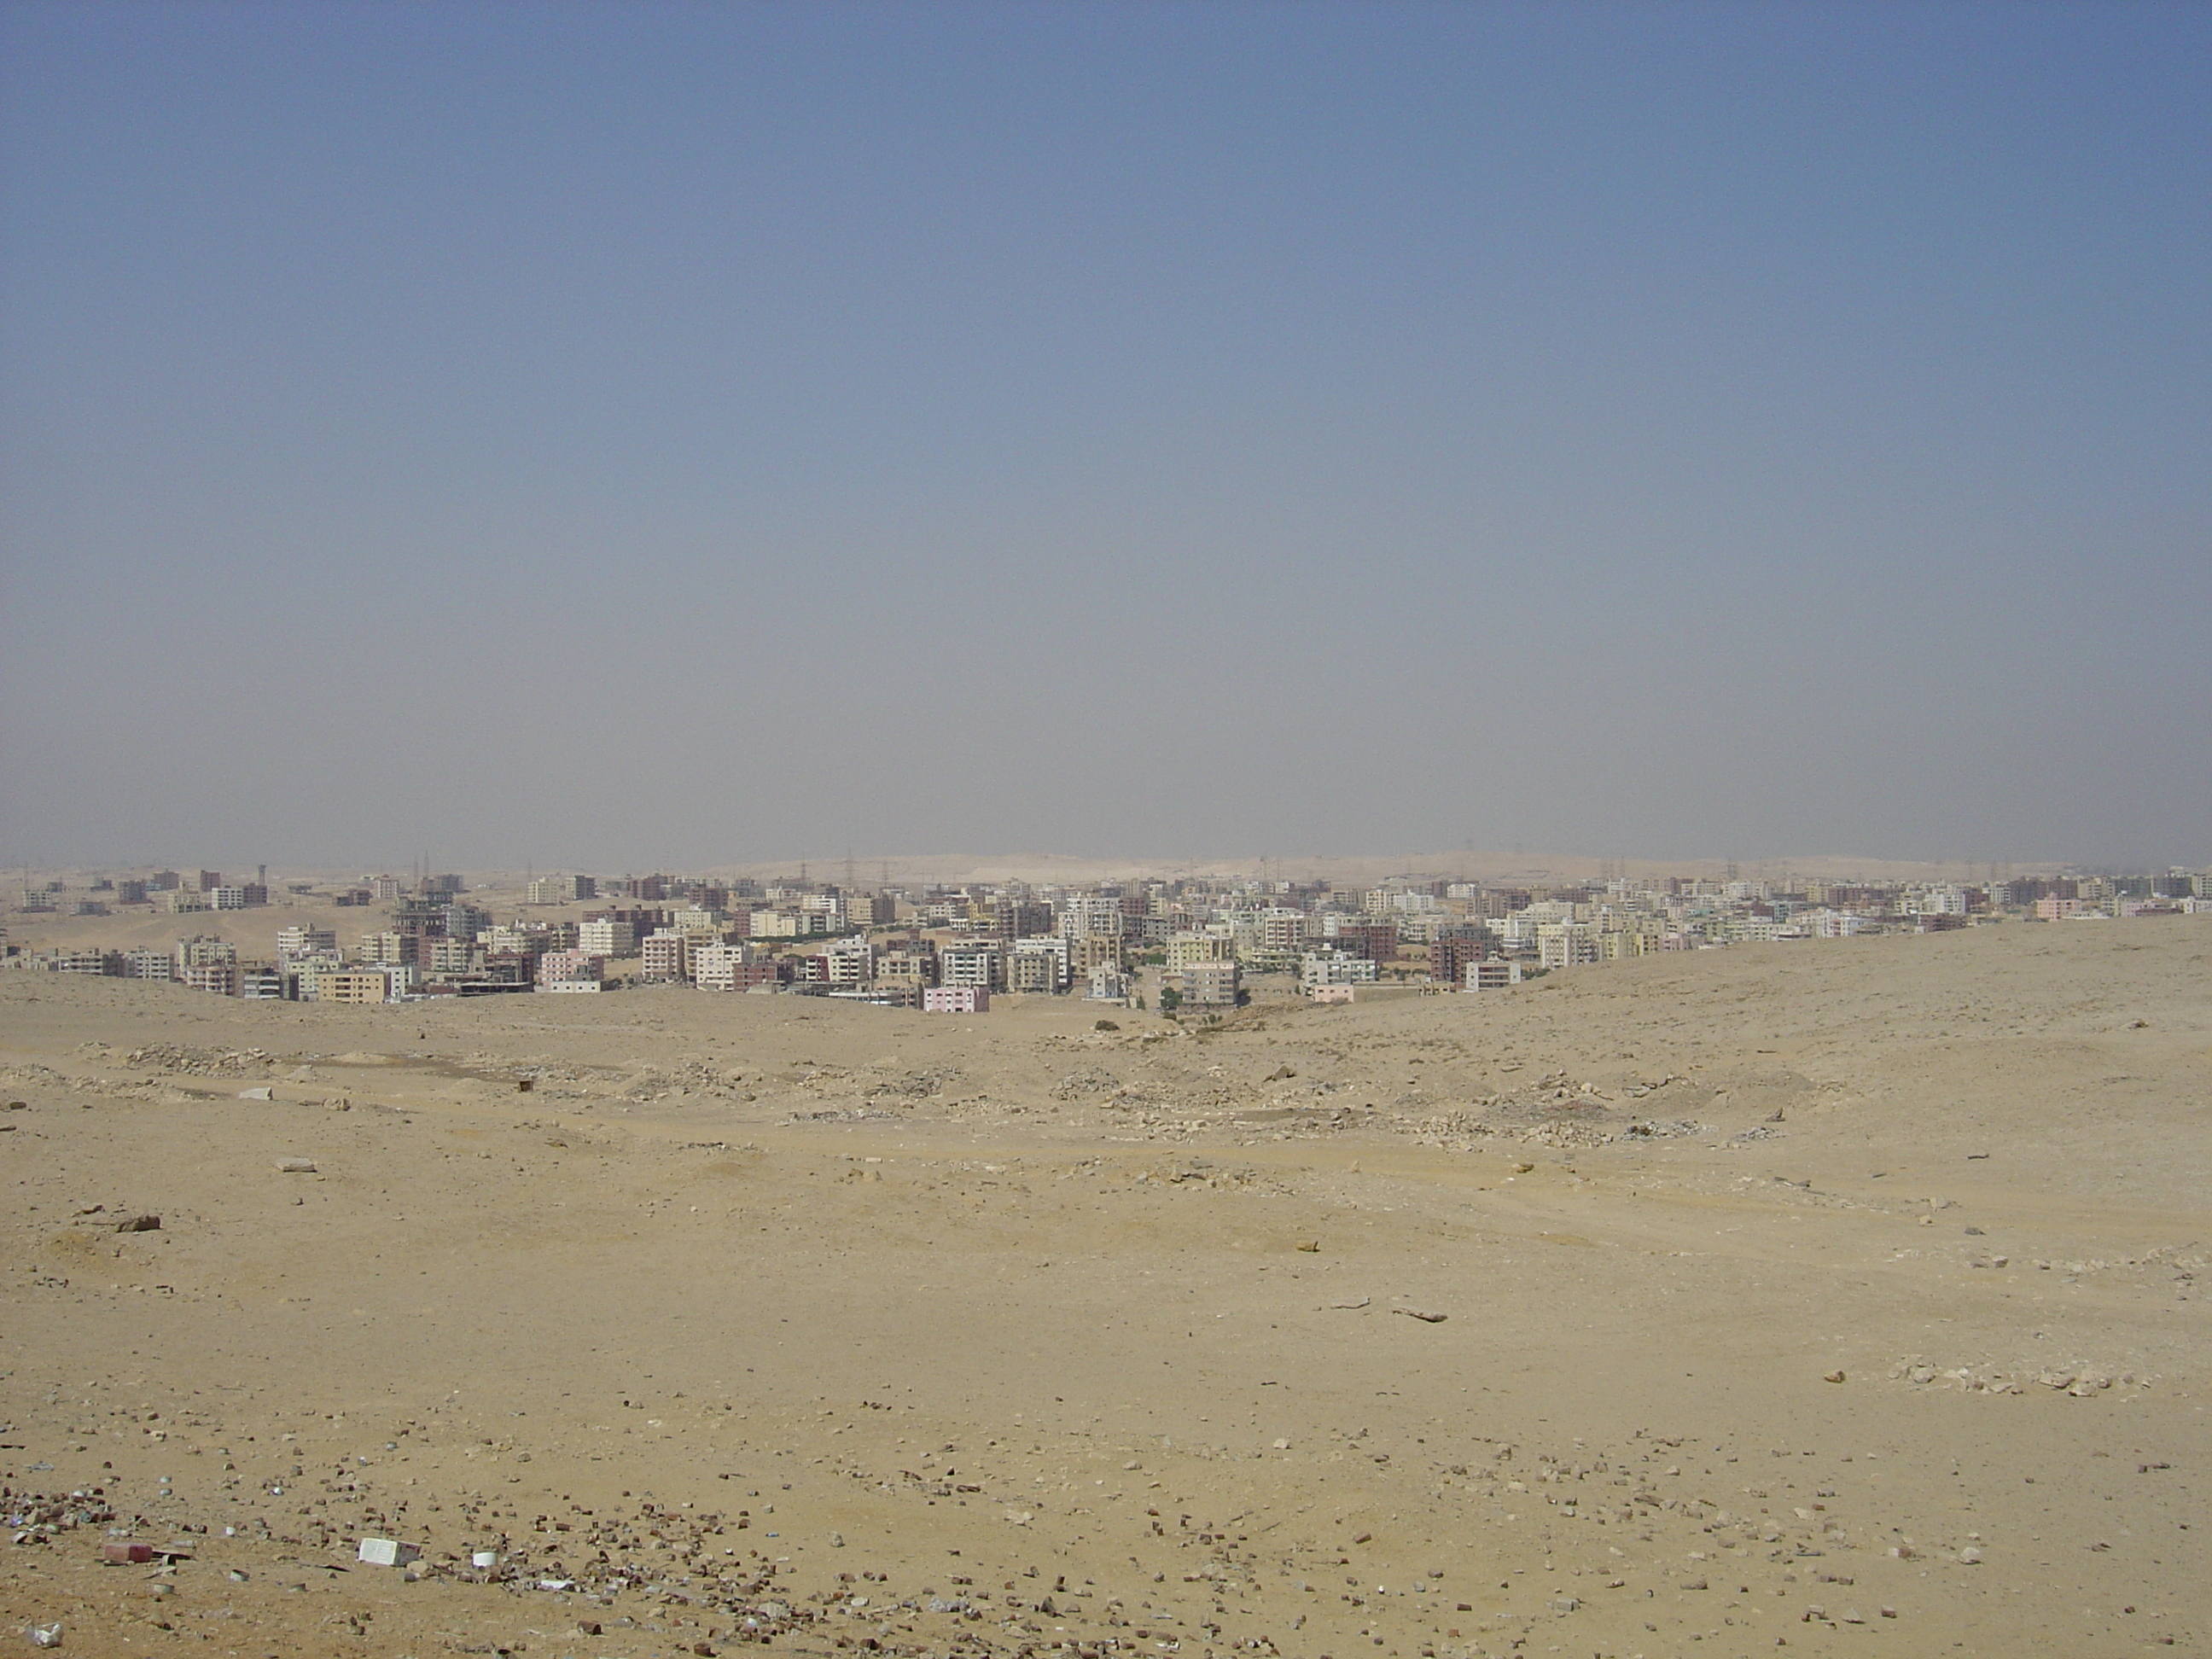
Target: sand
<point>856,1329</point>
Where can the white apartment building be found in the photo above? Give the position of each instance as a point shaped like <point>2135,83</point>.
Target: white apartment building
<point>714,967</point>
<point>607,938</point>
<point>299,941</point>
<point>1492,974</point>
<point>1839,923</point>
<point>973,961</point>
<point>1334,967</point>
<point>204,951</point>
<point>383,948</point>
<point>1941,900</point>
<point>1108,984</point>
<point>1566,945</point>
<point>850,962</point>
<point>446,958</point>
<point>1086,915</point>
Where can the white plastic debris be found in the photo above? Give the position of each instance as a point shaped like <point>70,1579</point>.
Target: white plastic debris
<point>485,1560</point>
<point>46,1635</point>
<point>388,1553</point>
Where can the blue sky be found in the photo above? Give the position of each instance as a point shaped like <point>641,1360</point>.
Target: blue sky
<point>621,434</point>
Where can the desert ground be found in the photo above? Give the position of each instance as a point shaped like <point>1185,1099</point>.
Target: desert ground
<point>1846,1298</point>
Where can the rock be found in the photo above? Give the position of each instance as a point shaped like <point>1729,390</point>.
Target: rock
<point>262,1093</point>
<point>1311,1246</point>
<point>1971,1556</point>
<point>296,1165</point>
<point>1833,1377</point>
<point>1281,1074</point>
<point>836,1540</point>
<point>139,1224</point>
<point>1426,1315</point>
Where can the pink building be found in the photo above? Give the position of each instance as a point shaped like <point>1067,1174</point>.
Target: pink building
<point>564,965</point>
<point>956,1000</point>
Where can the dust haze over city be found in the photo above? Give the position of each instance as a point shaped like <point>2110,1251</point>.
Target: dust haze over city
<point>1093,830</point>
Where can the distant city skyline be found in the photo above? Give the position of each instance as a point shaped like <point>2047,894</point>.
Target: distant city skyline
<point>622,436</point>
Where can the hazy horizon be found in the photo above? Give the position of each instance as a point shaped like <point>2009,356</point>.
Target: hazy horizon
<point>619,436</point>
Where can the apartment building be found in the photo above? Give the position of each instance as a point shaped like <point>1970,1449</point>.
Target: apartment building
<point>972,962</point>
<point>914,966</point>
<point>1049,950</point>
<point>354,985</point>
<point>957,1000</point>
<point>557,965</point>
<point>1204,984</point>
<point>215,978</point>
<point>849,961</point>
<point>607,937</point>
<point>1334,967</point>
<point>1566,945</point>
<point>1109,984</point>
<point>729,968</point>
<point>380,950</point>
<point>1183,950</point>
<point>666,956</point>
<point>448,959</point>
<point>1088,952</point>
<point>204,950</point>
